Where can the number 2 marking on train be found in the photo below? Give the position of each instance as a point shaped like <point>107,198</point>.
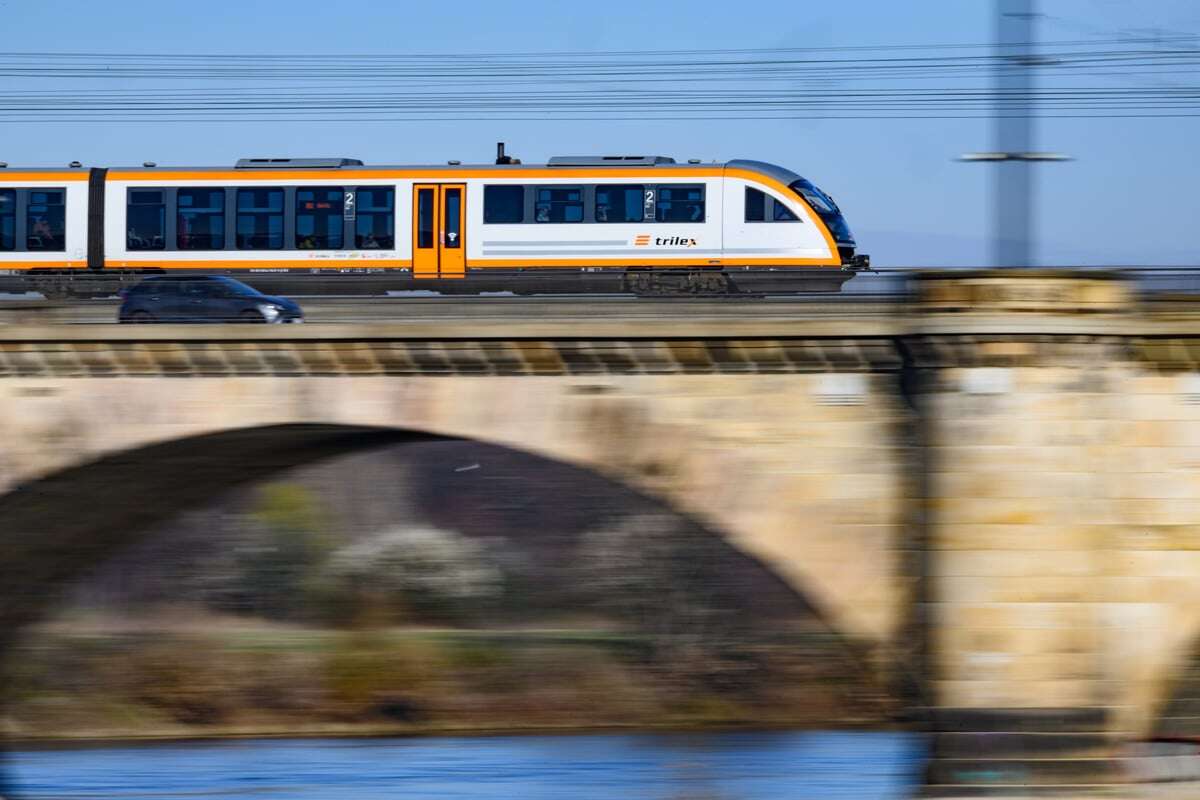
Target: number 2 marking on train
<point>348,206</point>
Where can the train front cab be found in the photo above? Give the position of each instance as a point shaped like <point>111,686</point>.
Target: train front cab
<point>782,233</point>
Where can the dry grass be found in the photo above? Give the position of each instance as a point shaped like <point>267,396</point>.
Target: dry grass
<point>184,674</point>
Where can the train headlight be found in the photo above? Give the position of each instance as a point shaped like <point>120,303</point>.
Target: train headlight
<point>270,313</point>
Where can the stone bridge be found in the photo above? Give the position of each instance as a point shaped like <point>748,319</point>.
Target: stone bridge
<point>993,489</point>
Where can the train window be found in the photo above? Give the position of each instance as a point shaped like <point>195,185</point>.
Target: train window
<point>503,205</point>
<point>559,204</point>
<point>260,219</point>
<point>319,221</point>
<point>375,221</point>
<point>45,220</point>
<point>146,221</point>
<point>620,203</point>
<point>761,207</point>
<point>200,219</point>
<point>8,219</point>
<point>425,218</point>
<point>821,203</point>
<point>680,204</point>
<point>756,205</point>
<point>782,213</point>
<point>453,217</point>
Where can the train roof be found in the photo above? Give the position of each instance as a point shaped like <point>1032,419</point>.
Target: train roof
<point>355,165</point>
<point>335,165</point>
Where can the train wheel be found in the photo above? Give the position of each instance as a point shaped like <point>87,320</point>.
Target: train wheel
<point>676,283</point>
<point>141,317</point>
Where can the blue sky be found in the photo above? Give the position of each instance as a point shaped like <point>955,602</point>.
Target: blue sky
<point>1128,198</point>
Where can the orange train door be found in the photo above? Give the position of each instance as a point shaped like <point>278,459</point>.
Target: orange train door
<point>439,230</point>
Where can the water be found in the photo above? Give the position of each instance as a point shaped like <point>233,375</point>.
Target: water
<point>725,766</point>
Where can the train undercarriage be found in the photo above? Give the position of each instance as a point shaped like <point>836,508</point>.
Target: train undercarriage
<point>642,282</point>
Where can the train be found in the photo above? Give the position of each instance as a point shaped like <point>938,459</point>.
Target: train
<point>646,225</point>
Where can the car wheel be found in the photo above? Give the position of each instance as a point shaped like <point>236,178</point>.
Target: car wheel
<point>141,317</point>
<point>252,317</point>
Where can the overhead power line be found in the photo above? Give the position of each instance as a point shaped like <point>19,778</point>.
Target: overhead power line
<point>1077,78</point>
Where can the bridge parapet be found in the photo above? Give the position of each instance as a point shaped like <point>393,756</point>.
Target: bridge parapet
<point>398,350</point>
<point>1024,291</point>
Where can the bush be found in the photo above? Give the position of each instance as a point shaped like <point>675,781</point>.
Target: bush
<point>276,569</point>
<point>421,573</point>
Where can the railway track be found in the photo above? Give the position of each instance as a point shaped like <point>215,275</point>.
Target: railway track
<point>344,310</point>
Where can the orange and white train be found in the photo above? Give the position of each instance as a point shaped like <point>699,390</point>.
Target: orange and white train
<point>638,224</point>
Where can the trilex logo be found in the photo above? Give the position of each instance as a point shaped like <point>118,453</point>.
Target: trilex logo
<point>643,239</point>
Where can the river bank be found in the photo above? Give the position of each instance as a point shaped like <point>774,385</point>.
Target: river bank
<point>86,740</point>
<point>167,737</point>
<point>246,679</point>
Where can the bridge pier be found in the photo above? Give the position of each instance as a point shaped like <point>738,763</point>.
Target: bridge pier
<point>1023,456</point>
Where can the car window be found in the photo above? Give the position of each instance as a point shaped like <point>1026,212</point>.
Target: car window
<point>205,289</point>
<point>232,288</point>
<point>157,288</point>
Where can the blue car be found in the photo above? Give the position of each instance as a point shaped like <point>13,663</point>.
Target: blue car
<point>201,298</point>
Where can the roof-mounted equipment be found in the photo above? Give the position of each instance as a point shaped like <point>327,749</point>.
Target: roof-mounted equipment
<point>608,161</point>
<point>501,158</point>
<point>296,163</point>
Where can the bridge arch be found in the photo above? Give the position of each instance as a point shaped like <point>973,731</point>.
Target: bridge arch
<point>59,526</point>
<point>806,482</point>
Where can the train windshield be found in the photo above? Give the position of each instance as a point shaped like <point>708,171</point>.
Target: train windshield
<point>826,209</point>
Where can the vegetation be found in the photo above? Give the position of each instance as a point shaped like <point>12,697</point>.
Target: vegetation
<point>287,609</point>
<point>81,681</point>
